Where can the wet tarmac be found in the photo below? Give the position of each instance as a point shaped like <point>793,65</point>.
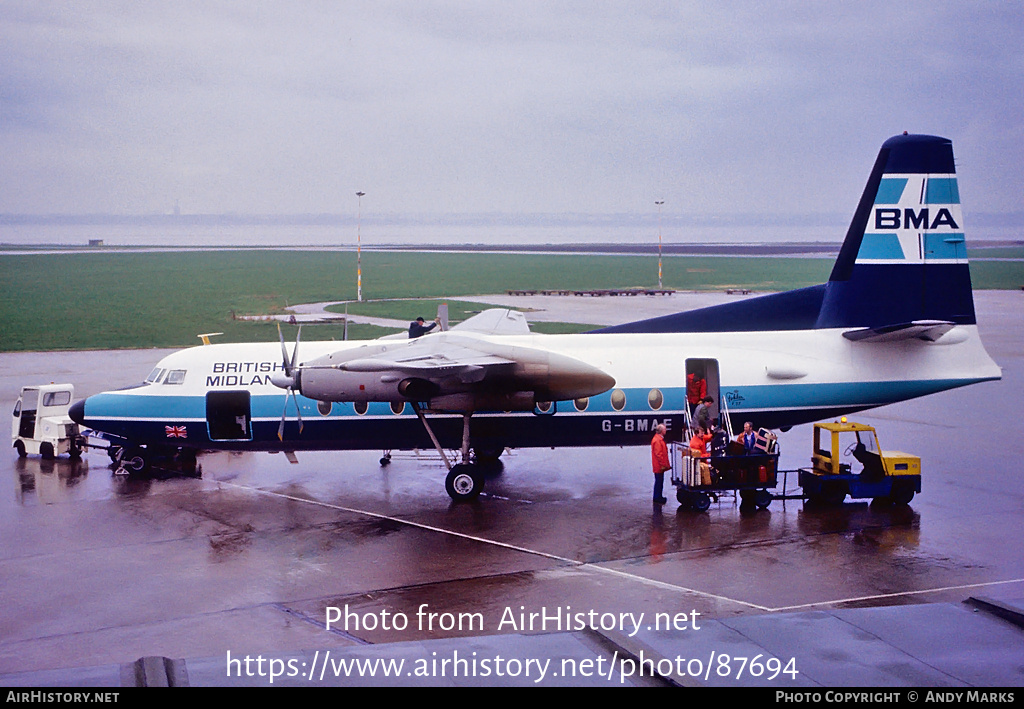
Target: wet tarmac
<point>101,570</point>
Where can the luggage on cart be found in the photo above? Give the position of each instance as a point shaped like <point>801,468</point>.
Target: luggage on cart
<point>765,441</point>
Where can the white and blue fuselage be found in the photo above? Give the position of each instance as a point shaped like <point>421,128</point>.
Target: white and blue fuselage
<point>895,321</point>
<point>773,379</point>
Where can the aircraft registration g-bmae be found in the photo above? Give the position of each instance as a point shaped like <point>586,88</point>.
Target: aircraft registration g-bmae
<point>895,321</point>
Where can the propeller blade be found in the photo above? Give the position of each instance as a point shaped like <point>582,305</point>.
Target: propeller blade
<point>284,352</point>
<point>280,429</point>
<point>295,352</point>
<point>298,411</point>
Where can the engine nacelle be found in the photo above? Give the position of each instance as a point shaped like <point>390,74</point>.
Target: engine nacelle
<point>328,384</point>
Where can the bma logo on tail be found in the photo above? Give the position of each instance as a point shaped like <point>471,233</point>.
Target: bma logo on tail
<point>890,219</point>
<point>916,218</point>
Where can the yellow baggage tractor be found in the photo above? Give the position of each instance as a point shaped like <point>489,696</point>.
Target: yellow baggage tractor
<point>847,460</point>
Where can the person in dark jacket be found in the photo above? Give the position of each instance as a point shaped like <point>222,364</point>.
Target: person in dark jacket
<point>702,416</point>
<point>418,329</point>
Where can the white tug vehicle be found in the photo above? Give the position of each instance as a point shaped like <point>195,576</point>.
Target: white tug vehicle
<point>41,424</point>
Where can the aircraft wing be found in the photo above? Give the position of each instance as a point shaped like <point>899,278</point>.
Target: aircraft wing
<point>456,372</point>
<point>450,360</point>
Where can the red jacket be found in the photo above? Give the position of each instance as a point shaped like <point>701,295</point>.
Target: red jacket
<point>659,454</point>
<point>696,389</point>
<point>700,443</point>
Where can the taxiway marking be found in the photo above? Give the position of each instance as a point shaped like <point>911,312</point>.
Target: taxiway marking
<point>615,572</point>
<point>504,545</point>
<point>883,596</point>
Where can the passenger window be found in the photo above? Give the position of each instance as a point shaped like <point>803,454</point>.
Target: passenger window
<point>175,376</point>
<point>655,399</point>
<point>618,400</point>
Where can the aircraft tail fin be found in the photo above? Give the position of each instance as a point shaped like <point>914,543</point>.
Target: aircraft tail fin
<point>904,258</point>
<point>903,261</point>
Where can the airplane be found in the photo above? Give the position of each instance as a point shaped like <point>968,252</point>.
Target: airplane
<point>894,321</point>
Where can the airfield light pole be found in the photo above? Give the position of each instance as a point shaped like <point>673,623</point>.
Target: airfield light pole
<point>659,203</point>
<point>359,248</point>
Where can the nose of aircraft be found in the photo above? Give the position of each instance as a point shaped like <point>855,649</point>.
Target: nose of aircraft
<point>77,412</point>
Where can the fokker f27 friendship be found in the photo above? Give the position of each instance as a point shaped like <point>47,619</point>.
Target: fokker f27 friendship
<point>895,321</point>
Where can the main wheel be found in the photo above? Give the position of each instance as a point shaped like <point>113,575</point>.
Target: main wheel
<point>488,455</point>
<point>463,483</point>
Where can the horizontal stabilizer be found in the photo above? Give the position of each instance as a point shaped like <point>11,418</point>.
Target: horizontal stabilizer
<point>930,330</point>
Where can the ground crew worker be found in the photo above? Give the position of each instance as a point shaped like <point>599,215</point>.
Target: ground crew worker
<point>748,438</point>
<point>660,463</point>
<point>702,415</point>
<point>418,329</point>
<point>696,389</point>
<point>699,450</point>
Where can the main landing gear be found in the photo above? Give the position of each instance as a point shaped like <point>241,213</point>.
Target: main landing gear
<point>465,480</point>
<point>132,460</point>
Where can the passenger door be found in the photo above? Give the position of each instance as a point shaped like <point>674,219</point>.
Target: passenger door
<point>228,415</point>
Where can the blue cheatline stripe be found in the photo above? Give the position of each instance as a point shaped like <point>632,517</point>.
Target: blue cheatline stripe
<point>768,405</point>
<point>942,190</point>
<point>890,190</point>
<point>149,406</point>
<point>844,394</point>
<point>880,246</point>
<point>750,397</point>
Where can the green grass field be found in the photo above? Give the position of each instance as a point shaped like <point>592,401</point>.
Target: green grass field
<point>164,299</point>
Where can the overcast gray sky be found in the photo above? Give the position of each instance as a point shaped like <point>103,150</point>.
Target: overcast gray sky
<point>775,108</point>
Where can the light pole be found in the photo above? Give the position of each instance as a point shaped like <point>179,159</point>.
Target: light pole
<point>359,247</point>
<point>659,203</point>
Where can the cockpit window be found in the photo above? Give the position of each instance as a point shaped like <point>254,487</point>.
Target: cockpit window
<point>154,376</point>
<point>175,376</point>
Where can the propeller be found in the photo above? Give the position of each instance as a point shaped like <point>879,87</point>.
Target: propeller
<point>289,381</point>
